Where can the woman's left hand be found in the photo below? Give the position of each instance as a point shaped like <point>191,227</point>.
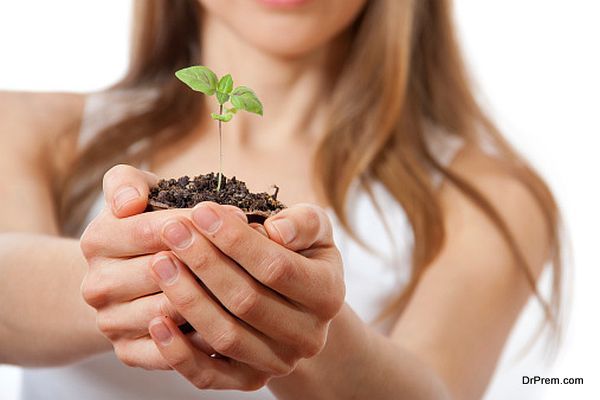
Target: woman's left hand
<point>262,301</point>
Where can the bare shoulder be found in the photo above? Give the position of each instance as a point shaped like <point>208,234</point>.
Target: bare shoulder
<point>38,133</point>
<point>510,196</point>
<point>40,127</point>
<point>49,112</point>
<point>487,173</point>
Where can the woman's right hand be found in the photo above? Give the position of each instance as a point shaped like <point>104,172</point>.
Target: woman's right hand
<point>118,245</point>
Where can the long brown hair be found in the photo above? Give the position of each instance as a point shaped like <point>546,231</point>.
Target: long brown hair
<point>405,72</point>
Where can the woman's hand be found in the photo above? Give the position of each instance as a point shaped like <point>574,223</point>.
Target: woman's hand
<point>118,251</point>
<point>263,303</point>
<point>261,297</point>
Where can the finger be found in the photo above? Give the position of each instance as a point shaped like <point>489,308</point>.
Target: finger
<point>117,280</point>
<point>141,353</point>
<point>200,369</point>
<point>259,228</point>
<point>139,234</point>
<point>227,335</point>
<point>108,236</point>
<point>198,342</point>
<point>131,319</point>
<point>300,227</point>
<point>236,290</point>
<point>236,211</point>
<point>276,267</point>
<point>112,237</point>
<point>126,189</point>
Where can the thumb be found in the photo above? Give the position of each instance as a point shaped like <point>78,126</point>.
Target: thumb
<point>300,227</point>
<point>126,190</point>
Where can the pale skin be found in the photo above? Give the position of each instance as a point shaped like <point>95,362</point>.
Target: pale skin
<point>444,345</point>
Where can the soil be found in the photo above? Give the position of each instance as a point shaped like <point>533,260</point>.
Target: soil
<point>186,192</point>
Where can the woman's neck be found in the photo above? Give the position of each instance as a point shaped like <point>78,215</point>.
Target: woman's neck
<point>294,91</point>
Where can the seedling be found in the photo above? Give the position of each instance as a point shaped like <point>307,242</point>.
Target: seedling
<point>186,192</point>
<point>201,79</point>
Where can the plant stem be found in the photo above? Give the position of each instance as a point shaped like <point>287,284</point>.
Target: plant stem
<point>220,149</point>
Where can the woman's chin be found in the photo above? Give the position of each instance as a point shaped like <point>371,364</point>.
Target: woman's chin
<point>284,4</point>
<point>286,48</point>
<point>286,28</point>
<point>296,42</point>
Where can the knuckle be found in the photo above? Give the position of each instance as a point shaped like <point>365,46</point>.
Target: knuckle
<point>177,362</point>
<point>231,238</point>
<point>90,242</point>
<point>278,271</point>
<point>184,301</point>
<point>144,232</point>
<point>245,303</point>
<point>162,365</point>
<point>205,379</point>
<point>164,308</point>
<point>282,367</point>
<point>314,345</point>
<point>328,308</point>
<point>125,356</point>
<point>338,298</point>
<point>228,341</point>
<point>304,345</point>
<point>315,218</point>
<point>297,339</point>
<point>106,324</point>
<point>201,262</point>
<point>93,292</point>
<point>96,298</point>
<point>161,307</point>
<point>311,220</point>
<point>257,382</point>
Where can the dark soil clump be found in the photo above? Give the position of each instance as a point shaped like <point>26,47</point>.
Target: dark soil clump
<point>186,192</point>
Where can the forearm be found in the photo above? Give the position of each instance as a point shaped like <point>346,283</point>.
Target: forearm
<point>359,363</point>
<point>43,318</point>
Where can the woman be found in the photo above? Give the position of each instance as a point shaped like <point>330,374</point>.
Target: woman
<point>439,227</point>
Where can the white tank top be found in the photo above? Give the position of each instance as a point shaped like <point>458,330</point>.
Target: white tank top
<point>372,280</point>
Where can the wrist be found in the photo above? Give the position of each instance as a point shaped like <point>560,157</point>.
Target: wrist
<point>339,369</point>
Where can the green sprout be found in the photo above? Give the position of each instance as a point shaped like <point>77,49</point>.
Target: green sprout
<point>202,79</point>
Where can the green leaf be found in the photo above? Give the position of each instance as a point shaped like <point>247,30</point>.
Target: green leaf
<point>225,84</point>
<point>243,98</point>
<point>198,78</point>
<point>222,117</point>
<point>224,87</point>
<point>222,97</point>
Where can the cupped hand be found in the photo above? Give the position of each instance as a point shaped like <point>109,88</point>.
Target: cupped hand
<point>262,302</point>
<point>118,283</point>
<point>259,297</point>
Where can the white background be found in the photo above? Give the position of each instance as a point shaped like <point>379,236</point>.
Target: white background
<point>536,62</point>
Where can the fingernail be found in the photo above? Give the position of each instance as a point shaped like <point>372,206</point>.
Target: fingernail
<point>177,235</point>
<point>161,332</point>
<point>206,218</point>
<point>165,269</point>
<point>124,195</point>
<point>286,230</point>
